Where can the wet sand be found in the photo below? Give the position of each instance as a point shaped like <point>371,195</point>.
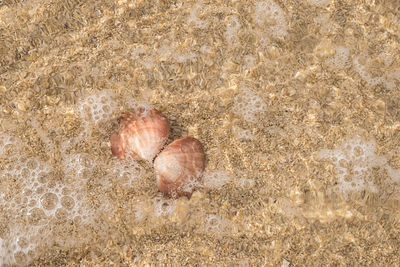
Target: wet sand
<point>295,102</point>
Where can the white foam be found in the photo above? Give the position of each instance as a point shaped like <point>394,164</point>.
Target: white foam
<point>321,3</point>
<point>269,14</point>
<point>232,28</point>
<point>217,225</point>
<point>341,58</point>
<point>215,179</point>
<point>205,49</point>
<point>140,213</point>
<point>31,202</point>
<point>354,161</point>
<point>127,172</point>
<point>17,247</point>
<point>249,61</point>
<point>244,134</point>
<point>194,20</point>
<point>191,183</point>
<point>78,166</point>
<point>8,142</point>
<point>387,59</point>
<point>248,104</point>
<point>97,107</point>
<point>285,263</point>
<point>78,169</point>
<point>137,52</point>
<point>170,50</point>
<point>245,183</point>
<point>182,57</point>
<point>365,75</point>
<point>164,207</point>
<point>42,134</point>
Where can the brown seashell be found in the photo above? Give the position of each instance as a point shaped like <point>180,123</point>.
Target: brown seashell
<point>141,135</point>
<point>179,166</point>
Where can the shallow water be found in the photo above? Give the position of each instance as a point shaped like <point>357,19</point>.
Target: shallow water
<point>296,103</point>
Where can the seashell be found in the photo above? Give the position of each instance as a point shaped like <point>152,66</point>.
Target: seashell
<point>141,135</point>
<point>179,166</point>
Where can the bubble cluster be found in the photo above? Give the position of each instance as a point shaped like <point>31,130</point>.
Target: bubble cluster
<point>97,107</point>
<point>353,162</point>
<point>193,17</point>
<point>217,225</point>
<point>34,199</point>
<point>376,70</point>
<point>248,104</point>
<point>249,61</point>
<point>171,50</point>
<point>365,75</point>
<point>155,208</point>
<point>163,207</point>
<point>232,28</point>
<point>243,134</point>
<point>78,166</point>
<point>268,14</point>
<point>341,58</point>
<point>8,143</point>
<point>321,3</point>
<point>78,169</point>
<point>215,179</point>
<point>245,183</point>
<point>127,172</point>
<point>17,248</point>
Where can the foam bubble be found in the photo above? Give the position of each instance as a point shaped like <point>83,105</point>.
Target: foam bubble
<point>215,179</point>
<point>141,211</point>
<point>191,183</point>
<point>269,14</point>
<point>245,183</point>
<point>249,61</point>
<point>248,104</point>
<point>78,166</point>
<point>43,136</point>
<point>97,107</point>
<point>232,27</point>
<point>387,59</point>
<point>321,3</point>
<point>216,224</point>
<point>243,133</point>
<point>171,51</point>
<point>21,201</point>
<point>16,247</point>
<point>194,20</point>
<point>182,57</point>
<point>127,172</point>
<point>285,263</point>
<point>365,75</point>
<point>8,143</point>
<point>341,58</point>
<point>162,207</point>
<point>353,161</point>
<point>137,52</point>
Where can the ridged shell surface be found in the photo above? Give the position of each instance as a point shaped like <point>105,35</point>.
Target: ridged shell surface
<point>179,166</point>
<point>141,135</point>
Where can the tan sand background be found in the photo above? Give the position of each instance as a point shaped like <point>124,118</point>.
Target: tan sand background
<point>296,103</point>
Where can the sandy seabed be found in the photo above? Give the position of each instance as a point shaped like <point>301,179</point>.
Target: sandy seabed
<point>297,104</point>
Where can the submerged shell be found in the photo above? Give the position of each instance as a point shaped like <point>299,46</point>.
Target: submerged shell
<point>141,134</point>
<point>179,166</point>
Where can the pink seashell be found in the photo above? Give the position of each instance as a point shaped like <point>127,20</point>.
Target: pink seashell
<point>141,135</point>
<point>179,166</point>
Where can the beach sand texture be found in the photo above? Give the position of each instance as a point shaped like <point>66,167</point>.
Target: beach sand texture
<point>297,104</point>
